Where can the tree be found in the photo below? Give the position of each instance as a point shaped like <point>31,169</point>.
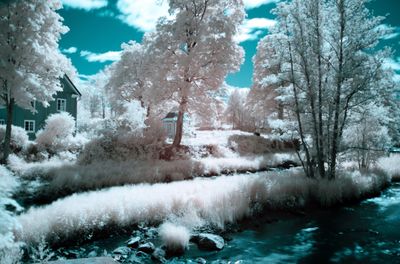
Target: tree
<point>130,78</point>
<point>31,64</point>
<point>236,109</point>
<point>331,66</point>
<point>196,50</point>
<point>267,96</point>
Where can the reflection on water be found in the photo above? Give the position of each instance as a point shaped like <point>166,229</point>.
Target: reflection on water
<point>368,232</point>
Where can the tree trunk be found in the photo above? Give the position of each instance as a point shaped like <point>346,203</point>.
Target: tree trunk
<point>179,123</point>
<point>7,138</point>
<point>337,101</point>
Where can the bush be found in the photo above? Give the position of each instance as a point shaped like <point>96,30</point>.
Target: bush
<point>57,135</point>
<point>9,249</point>
<point>251,144</point>
<point>19,138</point>
<point>124,145</point>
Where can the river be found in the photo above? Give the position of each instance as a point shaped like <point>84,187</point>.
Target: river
<point>368,232</point>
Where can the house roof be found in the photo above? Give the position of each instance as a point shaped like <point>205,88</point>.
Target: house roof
<point>72,85</point>
<point>171,115</point>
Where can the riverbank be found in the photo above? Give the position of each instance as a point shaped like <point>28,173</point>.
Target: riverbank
<point>193,204</point>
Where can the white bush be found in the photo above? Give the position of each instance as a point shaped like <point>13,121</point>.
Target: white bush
<point>57,134</point>
<point>174,237</point>
<point>19,138</point>
<point>391,165</point>
<point>9,249</point>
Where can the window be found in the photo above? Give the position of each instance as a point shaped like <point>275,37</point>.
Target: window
<point>29,126</point>
<point>33,104</point>
<point>61,105</point>
<point>2,122</point>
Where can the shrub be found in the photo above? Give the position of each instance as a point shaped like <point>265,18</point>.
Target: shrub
<point>124,145</point>
<point>251,144</point>
<point>57,135</point>
<point>19,138</point>
<point>9,249</point>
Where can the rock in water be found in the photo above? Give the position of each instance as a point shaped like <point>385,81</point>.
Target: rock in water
<point>133,242</point>
<point>121,253</point>
<point>207,241</point>
<point>147,248</point>
<point>159,255</point>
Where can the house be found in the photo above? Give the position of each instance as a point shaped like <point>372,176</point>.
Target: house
<point>65,100</point>
<point>169,124</point>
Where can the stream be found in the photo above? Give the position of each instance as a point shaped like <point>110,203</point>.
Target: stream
<point>368,232</point>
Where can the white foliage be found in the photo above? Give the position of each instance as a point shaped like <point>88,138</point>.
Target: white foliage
<point>134,116</point>
<point>19,137</point>
<point>9,249</point>
<point>57,134</point>
<point>390,165</point>
<point>174,237</point>
<point>215,201</point>
<point>31,63</point>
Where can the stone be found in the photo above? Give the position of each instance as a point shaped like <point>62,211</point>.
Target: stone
<point>206,241</point>
<point>159,255</point>
<point>200,261</point>
<point>121,253</point>
<point>133,242</point>
<point>147,248</point>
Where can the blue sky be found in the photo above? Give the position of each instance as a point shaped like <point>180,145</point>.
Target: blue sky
<point>99,27</point>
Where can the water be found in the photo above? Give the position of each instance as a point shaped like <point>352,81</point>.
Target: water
<point>368,232</point>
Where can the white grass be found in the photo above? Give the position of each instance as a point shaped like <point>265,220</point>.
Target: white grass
<point>391,165</point>
<point>32,170</point>
<point>211,137</point>
<point>174,237</point>
<point>191,203</point>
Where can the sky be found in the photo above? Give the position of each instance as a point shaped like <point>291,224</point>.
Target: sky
<point>99,27</point>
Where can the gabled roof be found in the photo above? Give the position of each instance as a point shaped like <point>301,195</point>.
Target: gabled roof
<point>76,91</point>
<point>171,115</point>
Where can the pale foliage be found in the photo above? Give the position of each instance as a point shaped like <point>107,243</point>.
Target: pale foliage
<point>318,69</point>
<point>391,165</point>
<point>174,237</point>
<point>189,203</point>
<point>9,249</point>
<point>58,134</point>
<point>31,63</point>
<point>19,137</point>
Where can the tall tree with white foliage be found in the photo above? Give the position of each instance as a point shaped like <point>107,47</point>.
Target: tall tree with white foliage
<point>332,67</point>
<point>129,78</point>
<point>31,63</point>
<point>196,50</point>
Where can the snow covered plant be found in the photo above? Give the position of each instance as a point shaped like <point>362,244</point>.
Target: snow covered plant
<point>57,135</point>
<point>9,249</point>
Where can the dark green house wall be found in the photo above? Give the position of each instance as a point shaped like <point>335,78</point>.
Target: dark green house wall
<point>70,93</point>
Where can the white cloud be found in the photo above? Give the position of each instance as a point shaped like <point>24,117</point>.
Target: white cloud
<point>251,29</point>
<point>70,50</point>
<point>249,4</point>
<point>85,4</point>
<point>391,32</point>
<point>142,14</point>
<point>101,57</point>
<point>393,64</point>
